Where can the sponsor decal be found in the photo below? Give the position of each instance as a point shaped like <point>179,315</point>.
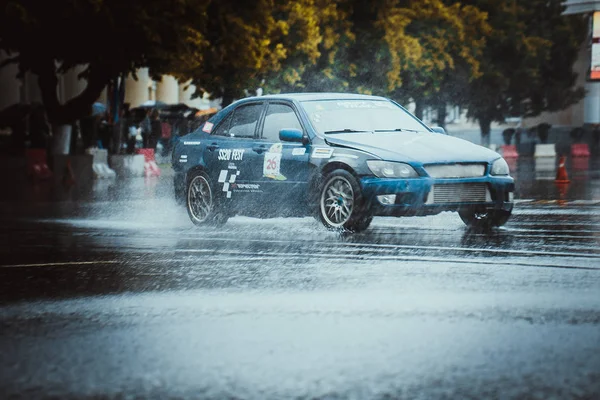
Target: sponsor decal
<point>251,186</point>
<point>246,188</point>
<point>272,163</point>
<point>299,151</point>
<point>344,155</point>
<point>183,158</point>
<point>369,104</point>
<point>208,127</point>
<point>228,177</point>
<point>322,152</point>
<point>231,154</point>
<point>191,142</point>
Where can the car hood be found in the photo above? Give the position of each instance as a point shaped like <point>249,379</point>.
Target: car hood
<point>422,147</point>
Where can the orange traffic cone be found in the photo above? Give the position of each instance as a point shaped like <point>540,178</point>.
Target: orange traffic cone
<point>561,173</point>
<point>68,175</point>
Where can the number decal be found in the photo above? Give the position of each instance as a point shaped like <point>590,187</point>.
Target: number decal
<point>272,163</point>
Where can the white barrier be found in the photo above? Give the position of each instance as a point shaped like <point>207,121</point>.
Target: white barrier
<point>545,168</point>
<point>545,150</point>
<point>100,164</point>
<point>128,165</point>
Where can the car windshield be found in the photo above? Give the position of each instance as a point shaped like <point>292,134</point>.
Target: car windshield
<point>358,115</point>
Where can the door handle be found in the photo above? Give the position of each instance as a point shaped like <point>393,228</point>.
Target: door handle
<point>212,146</point>
<point>259,149</point>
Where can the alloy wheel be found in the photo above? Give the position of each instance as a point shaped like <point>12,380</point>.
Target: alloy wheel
<point>337,201</point>
<point>200,201</point>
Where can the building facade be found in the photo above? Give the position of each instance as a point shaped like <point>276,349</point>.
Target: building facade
<point>587,111</point>
<point>167,90</point>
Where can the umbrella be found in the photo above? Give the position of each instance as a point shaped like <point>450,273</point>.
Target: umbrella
<point>98,108</point>
<point>153,104</point>
<point>206,112</point>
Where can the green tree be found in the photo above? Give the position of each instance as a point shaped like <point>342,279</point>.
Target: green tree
<point>451,39</point>
<point>527,63</point>
<point>119,37</point>
<point>409,49</point>
<point>318,34</point>
<point>254,44</point>
<point>241,46</point>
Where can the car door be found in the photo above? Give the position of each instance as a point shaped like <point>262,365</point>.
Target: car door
<point>285,165</point>
<point>232,164</point>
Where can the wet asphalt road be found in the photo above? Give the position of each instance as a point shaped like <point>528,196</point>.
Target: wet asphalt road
<point>117,295</point>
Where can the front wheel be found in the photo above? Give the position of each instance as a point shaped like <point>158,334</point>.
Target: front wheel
<point>202,206</point>
<point>341,203</point>
<point>483,218</point>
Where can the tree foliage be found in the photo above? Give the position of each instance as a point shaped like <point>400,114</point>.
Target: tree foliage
<point>496,57</point>
<point>110,37</point>
<point>527,63</point>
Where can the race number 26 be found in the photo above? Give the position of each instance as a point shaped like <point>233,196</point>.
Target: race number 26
<point>272,163</point>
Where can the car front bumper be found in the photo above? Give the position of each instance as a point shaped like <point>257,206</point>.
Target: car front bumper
<point>427,196</point>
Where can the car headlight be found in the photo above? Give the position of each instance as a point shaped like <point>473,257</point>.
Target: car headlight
<point>500,167</point>
<point>387,169</point>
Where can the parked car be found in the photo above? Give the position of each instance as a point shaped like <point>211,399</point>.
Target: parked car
<point>344,158</point>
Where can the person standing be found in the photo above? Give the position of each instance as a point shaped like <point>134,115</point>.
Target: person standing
<point>155,129</point>
<point>146,127</point>
<point>104,131</point>
<point>120,130</point>
<point>39,127</point>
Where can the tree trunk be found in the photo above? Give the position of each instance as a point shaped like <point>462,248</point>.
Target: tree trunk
<point>485,124</point>
<point>61,139</point>
<point>419,109</point>
<point>228,96</point>
<point>76,108</point>
<point>441,119</point>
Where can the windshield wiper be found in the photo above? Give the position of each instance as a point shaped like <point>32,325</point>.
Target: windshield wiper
<point>397,130</point>
<point>346,131</point>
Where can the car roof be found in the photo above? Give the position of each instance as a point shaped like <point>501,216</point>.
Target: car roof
<point>316,96</point>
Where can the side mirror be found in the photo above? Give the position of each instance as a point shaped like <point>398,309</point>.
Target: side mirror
<point>439,129</point>
<point>291,135</point>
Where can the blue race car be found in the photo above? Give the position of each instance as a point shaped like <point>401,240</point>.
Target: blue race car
<point>343,158</point>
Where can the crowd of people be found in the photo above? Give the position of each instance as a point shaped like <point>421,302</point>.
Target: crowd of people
<point>137,128</point>
<point>133,129</point>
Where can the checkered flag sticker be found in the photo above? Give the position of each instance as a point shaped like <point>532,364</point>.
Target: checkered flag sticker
<point>227,177</point>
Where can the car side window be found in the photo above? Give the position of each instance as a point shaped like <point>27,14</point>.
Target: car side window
<point>279,116</point>
<point>244,120</point>
<point>223,127</point>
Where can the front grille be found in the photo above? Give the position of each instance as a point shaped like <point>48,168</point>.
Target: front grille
<point>455,170</point>
<point>459,193</point>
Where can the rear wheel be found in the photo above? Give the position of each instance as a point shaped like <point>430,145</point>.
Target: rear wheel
<point>341,203</point>
<point>202,206</point>
<point>482,218</point>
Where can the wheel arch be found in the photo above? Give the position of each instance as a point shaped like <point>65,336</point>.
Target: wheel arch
<point>332,166</point>
<point>317,179</point>
<point>193,170</point>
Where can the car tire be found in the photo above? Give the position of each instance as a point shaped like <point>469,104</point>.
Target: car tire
<point>202,205</point>
<point>341,203</point>
<point>484,219</point>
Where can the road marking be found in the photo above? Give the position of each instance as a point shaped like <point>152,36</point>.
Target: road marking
<point>351,257</point>
<point>59,264</point>
<point>413,247</point>
<point>560,202</point>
